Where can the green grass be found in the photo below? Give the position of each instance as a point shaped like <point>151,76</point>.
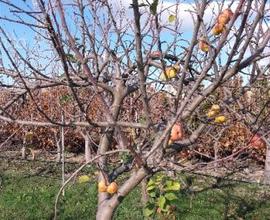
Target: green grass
<point>24,195</point>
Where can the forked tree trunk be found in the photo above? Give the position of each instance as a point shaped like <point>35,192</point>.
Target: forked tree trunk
<point>87,149</point>
<point>267,164</point>
<point>107,207</point>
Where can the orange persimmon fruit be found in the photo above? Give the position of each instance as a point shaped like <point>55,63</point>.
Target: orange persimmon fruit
<point>112,188</point>
<point>102,186</point>
<point>176,132</point>
<point>218,29</point>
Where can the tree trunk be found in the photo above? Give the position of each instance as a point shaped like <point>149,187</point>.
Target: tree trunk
<point>23,153</point>
<point>102,197</point>
<point>144,193</point>
<point>87,150</point>
<point>105,212</point>
<point>58,158</point>
<point>23,150</point>
<point>107,206</point>
<point>58,145</point>
<point>267,164</point>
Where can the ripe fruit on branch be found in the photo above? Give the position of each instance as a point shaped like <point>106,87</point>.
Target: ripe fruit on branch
<point>220,119</point>
<point>102,186</point>
<point>223,19</point>
<point>176,132</point>
<point>218,29</point>
<point>203,45</point>
<point>257,142</point>
<point>225,16</point>
<point>228,12</point>
<point>170,73</point>
<point>215,108</point>
<point>211,114</point>
<point>112,188</point>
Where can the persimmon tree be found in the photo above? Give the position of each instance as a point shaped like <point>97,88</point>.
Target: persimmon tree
<point>130,57</point>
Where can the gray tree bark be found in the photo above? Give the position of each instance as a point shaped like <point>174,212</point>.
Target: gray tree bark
<point>267,164</point>
<point>107,207</point>
<point>144,193</point>
<point>23,150</point>
<point>105,212</point>
<point>87,150</point>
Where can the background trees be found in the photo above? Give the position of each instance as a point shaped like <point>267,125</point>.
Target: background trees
<point>131,71</point>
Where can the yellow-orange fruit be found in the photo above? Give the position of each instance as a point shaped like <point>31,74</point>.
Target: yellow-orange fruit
<point>102,186</point>
<point>203,45</point>
<point>220,119</point>
<point>223,19</point>
<point>225,16</point>
<point>170,73</point>
<point>228,12</point>
<point>257,142</point>
<point>218,28</point>
<point>211,114</point>
<point>176,132</point>
<point>112,188</point>
<point>215,108</point>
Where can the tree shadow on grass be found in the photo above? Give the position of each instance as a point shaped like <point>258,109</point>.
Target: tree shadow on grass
<point>224,199</point>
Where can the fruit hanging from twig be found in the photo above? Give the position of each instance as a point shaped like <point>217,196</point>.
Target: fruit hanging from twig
<point>112,188</point>
<point>218,29</point>
<point>214,110</point>
<point>225,16</point>
<point>203,45</point>
<point>169,73</point>
<point>102,186</point>
<point>220,119</point>
<point>176,132</point>
<point>211,114</point>
<point>223,19</point>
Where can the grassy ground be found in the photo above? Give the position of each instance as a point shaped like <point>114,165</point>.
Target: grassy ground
<point>25,194</point>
